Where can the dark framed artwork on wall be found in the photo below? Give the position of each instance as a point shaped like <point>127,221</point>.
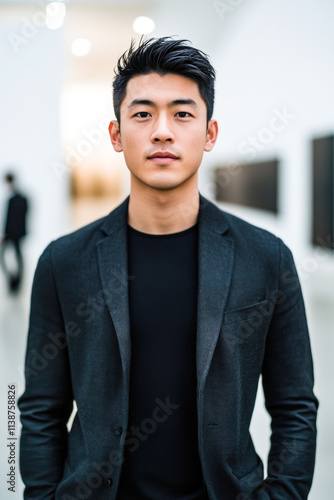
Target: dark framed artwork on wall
<point>253,185</point>
<point>323,191</point>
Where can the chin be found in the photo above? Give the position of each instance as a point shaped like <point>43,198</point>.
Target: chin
<point>164,183</point>
<point>164,186</point>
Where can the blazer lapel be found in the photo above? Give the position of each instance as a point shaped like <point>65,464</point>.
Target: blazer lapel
<point>215,261</point>
<point>113,270</point>
<point>216,256</point>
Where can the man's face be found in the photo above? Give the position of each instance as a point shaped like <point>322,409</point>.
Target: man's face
<point>163,130</point>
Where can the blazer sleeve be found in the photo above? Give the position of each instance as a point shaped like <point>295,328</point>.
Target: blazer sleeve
<point>47,401</point>
<point>287,379</point>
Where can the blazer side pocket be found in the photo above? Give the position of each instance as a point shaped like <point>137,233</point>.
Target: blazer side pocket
<point>259,309</point>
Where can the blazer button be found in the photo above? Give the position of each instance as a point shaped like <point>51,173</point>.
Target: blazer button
<point>109,482</point>
<point>118,430</point>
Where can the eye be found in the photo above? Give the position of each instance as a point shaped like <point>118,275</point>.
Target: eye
<point>142,114</point>
<point>183,114</point>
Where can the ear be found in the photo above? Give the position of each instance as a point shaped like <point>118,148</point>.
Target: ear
<point>211,135</point>
<point>115,136</point>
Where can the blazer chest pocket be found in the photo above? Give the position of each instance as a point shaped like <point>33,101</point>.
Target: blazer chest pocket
<point>248,322</point>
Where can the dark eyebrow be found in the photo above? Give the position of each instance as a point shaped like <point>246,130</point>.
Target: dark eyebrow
<point>177,102</point>
<point>188,102</point>
<point>145,102</point>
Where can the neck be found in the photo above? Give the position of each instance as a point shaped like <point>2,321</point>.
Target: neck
<point>163,211</point>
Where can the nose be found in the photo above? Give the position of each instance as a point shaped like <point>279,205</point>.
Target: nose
<point>162,130</point>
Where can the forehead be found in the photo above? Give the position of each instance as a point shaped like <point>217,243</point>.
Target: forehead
<point>160,89</point>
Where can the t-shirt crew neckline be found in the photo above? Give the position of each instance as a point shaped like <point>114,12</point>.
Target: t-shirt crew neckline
<point>161,236</point>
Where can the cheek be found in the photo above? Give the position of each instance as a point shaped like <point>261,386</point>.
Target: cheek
<point>195,145</point>
<point>195,139</point>
<point>131,158</point>
<point>132,145</point>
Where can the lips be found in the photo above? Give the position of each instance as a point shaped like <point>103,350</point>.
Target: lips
<point>163,154</point>
<point>163,157</point>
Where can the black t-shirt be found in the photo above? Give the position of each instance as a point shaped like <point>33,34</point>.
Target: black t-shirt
<point>161,448</point>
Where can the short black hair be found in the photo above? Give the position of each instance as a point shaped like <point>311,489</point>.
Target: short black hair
<point>164,55</point>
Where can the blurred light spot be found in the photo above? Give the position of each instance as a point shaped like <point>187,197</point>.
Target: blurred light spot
<point>55,15</point>
<point>143,25</point>
<point>81,47</point>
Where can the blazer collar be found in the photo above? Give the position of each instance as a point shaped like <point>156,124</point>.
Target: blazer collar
<point>208,214</point>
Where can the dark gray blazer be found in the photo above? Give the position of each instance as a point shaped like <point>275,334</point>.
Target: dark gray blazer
<point>250,321</point>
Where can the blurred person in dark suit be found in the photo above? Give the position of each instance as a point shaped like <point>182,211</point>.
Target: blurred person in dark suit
<point>14,231</point>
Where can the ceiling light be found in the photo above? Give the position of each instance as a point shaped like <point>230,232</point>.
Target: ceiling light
<point>55,15</point>
<point>81,47</point>
<point>143,25</point>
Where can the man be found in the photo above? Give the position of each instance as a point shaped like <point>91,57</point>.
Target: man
<point>14,231</point>
<point>159,319</point>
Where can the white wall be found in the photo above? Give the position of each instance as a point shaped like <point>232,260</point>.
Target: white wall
<point>269,56</point>
<point>30,86</point>
<point>278,55</point>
